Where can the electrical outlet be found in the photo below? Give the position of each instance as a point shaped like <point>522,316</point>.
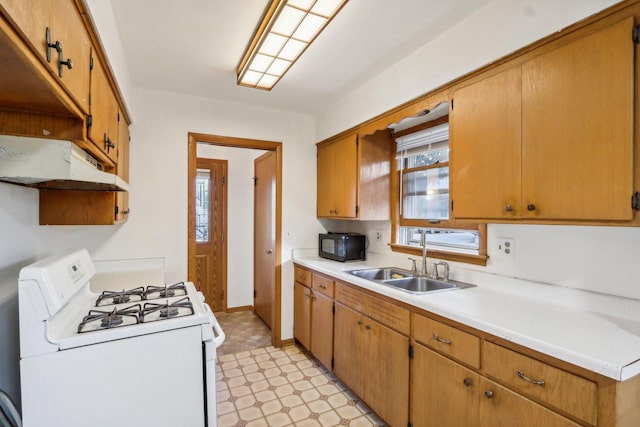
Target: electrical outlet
<point>506,246</point>
<point>379,234</point>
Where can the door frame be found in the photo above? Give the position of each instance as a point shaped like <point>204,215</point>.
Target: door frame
<point>225,206</point>
<point>228,141</point>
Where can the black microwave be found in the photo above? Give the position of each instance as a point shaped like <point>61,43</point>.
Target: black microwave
<point>342,246</point>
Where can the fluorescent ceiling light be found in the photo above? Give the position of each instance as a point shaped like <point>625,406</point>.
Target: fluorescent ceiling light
<point>285,31</point>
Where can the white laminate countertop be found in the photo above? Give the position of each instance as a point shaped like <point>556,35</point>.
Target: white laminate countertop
<point>595,331</point>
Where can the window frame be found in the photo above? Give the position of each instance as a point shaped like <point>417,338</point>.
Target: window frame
<point>398,221</point>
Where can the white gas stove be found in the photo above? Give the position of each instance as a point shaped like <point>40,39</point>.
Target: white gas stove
<point>141,356</point>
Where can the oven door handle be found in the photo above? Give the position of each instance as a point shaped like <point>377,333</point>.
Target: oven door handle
<point>220,336</point>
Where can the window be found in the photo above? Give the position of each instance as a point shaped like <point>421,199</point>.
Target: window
<point>423,205</point>
<point>203,178</point>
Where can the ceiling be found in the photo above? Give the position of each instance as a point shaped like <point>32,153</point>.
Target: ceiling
<point>194,46</point>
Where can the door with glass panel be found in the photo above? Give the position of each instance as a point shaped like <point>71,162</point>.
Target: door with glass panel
<point>211,225</point>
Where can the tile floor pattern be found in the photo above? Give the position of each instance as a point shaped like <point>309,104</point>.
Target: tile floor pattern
<point>244,331</point>
<point>274,387</point>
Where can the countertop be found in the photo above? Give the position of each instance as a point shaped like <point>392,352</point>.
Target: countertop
<point>595,331</point>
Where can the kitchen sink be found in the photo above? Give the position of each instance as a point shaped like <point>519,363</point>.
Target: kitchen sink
<point>419,285</point>
<point>406,281</point>
<point>381,274</point>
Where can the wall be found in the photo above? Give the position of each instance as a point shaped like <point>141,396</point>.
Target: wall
<point>239,236</point>
<point>600,259</point>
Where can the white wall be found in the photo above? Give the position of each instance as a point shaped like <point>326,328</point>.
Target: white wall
<point>601,259</point>
<point>239,236</point>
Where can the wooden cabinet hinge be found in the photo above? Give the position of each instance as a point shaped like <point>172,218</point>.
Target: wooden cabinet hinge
<point>635,201</point>
<point>333,363</point>
<point>333,309</point>
<point>117,210</point>
<point>254,293</point>
<point>635,36</point>
<point>118,116</point>
<point>410,352</point>
<point>89,117</point>
<point>91,63</point>
<point>452,206</point>
<point>451,104</point>
<point>357,210</point>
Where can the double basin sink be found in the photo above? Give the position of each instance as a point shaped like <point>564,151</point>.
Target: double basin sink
<point>406,281</point>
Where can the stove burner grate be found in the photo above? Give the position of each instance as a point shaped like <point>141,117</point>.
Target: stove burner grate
<point>110,319</point>
<point>166,291</point>
<point>182,307</point>
<point>120,297</point>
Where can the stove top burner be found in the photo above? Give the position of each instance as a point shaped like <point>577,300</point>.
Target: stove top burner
<point>120,297</point>
<point>166,291</point>
<point>98,319</point>
<point>158,311</point>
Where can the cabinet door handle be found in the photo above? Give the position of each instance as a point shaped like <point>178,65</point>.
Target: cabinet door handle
<point>368,327</point>
<point>488,394</point>
<point>268,252</point>
<point>466,382</point>
<point>359,322</point>
<point>57,46</point>
<point>529,380</point>
<point>127,212</point>
<point>508,208</point>
<point>531,207</point>
<point>442,340</point>
<point>323,286</point>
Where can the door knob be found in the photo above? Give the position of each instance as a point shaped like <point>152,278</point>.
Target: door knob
<point>531,207</point>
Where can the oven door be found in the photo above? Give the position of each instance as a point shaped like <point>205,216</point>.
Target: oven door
<point>213,337</point>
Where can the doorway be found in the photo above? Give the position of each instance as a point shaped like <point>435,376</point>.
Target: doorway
<point>211,229</point>
<point>263,237</point>
<point>276,148</point>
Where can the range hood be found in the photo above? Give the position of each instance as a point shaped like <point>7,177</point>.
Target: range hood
<point>53,164</point>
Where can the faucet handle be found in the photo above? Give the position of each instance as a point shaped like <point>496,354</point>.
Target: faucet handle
<point>446,270</point>
<point>414,268</point>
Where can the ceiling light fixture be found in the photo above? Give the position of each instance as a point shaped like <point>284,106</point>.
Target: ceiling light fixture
<point>287,28</point>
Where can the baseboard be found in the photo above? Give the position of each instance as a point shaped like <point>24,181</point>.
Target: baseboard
<point>241,308</point>
<point>285,343</point>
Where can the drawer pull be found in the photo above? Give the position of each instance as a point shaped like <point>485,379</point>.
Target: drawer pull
<point>359,322</point>
<point>466,382</point>
<point>368,327</point>
<point>442,340</point>
<point>323,286</point>
<point>529,380</point>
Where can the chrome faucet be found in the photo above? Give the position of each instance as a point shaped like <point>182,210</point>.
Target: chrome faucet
<point>446,270</point>
<point>423,242</point>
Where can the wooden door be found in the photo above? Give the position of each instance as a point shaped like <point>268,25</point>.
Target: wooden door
<point>302,315</point>
<point>322,328</point>
<point>443,393</point>
<point>485,147</point>
<point>264,237</point>
<point>500,407</point>
<point>211,225</point>
<point>386,374</point>
<point>346,176</point>
<point>577,118</point>
<point>349,365</point>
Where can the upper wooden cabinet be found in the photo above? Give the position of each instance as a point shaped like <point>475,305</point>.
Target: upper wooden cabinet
<point>57,34</point>
<point>353,177</point>
<point>550,139</point>
<point>103,129</point>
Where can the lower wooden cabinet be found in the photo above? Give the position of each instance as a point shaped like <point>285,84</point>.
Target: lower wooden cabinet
<point>373,361</point>
<point>313,318</point>
<point>446,394</point>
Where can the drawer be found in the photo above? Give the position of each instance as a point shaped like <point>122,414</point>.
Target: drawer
<point>302,276</point>
<point>563,390</point>
<point>388,314</point>
<point>322,284</point>
<point>350,297</point>
<point>459,345</point>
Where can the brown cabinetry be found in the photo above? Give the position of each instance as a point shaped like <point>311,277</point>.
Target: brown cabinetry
<point>371,358</point>
<point>551,138</point>
<point>353,177</point>
<point>103,130</point>
<point>313,314</point>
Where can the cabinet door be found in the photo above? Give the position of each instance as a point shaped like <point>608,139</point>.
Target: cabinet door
<point>302,314</point>
<point>349,355</point>
<point>122,197</point>
<point>32,20</point>
<point>346,176</point>
<point>386,373</point>
<point>443,393</point>
<point>104,111</point>
<point>326,176</point>
<point>322,328</point>
<point>485,147</point>
<point>577,116</point>
<point>501,407</point>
